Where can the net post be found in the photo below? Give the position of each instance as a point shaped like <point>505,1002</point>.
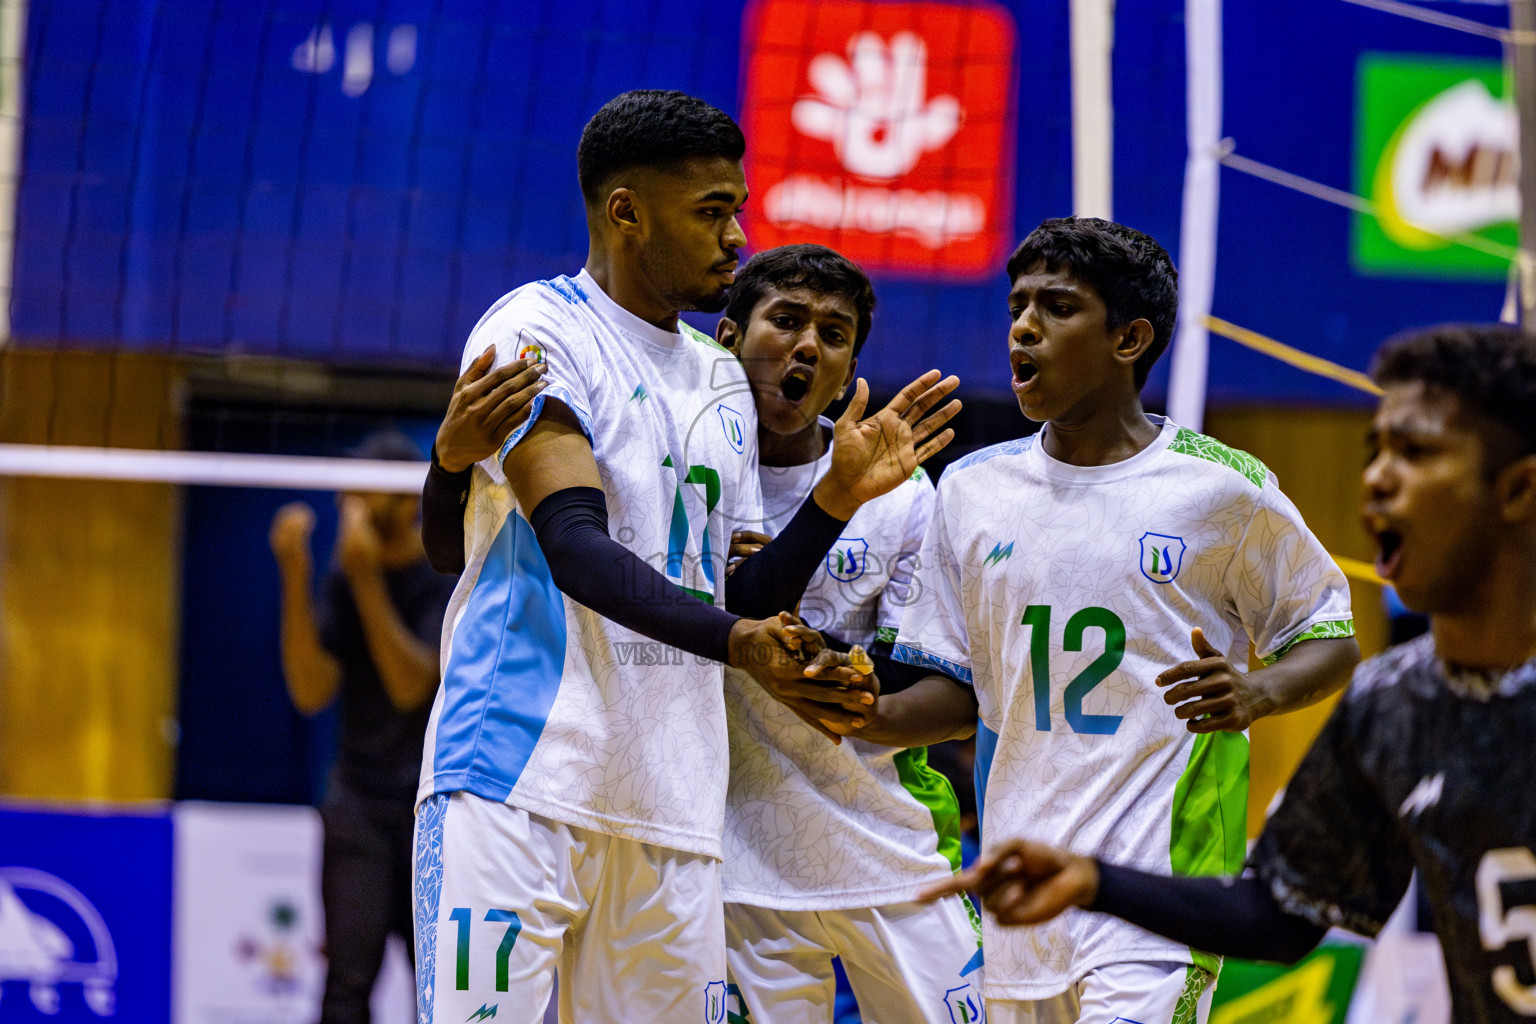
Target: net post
<point>1093,113</point>
<point>1201,205</point>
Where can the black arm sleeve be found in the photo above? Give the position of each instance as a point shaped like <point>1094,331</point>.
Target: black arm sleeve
<point>593,569</point>
<point>774,579</point>
<point>443,498</point>
<point>1227,916</point>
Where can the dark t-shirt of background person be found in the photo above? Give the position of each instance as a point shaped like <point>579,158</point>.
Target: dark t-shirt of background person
<point>380,747</point>
<point>1419,770</point>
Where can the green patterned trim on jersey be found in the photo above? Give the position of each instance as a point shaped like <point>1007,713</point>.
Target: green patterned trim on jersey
<point>1187,442</point>
<point>918,473</point>
<point>930,788</point>
<point>1187,1009</point>
<point>970,912</point>
<point>885,634</point>
<point>698,335</point>
<point>1320,631</point>
<point>1210,815</point>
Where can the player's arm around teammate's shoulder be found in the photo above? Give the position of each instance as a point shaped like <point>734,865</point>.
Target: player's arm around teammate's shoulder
<point>1212,695</point>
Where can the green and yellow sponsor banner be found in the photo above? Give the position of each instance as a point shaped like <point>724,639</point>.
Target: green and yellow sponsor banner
<point>1436,144</point>
<point>1315,991</point>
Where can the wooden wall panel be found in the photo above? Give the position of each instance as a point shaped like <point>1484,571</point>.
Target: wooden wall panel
<point>89,585</point>
<point>1317,455</point>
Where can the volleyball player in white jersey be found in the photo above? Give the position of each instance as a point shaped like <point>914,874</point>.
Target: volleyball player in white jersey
<point>1066,578</point>
<point>826,845</point>
<point>574,775</point>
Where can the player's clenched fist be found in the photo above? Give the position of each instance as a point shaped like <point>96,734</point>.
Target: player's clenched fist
<point>289,537</point>
<point>1021,882</point>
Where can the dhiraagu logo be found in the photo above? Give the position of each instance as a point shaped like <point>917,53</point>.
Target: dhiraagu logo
<point>1436,154</point>
<point>998,553</point>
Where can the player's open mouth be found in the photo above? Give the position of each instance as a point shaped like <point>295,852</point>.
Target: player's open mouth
<point>1389,553</point>
<point>797,383</point>
<point>1023,375</point>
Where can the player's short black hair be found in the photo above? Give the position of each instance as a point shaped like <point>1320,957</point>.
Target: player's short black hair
<point>816,267</point>
<point>1489,368</point>
<point>1132,273</point>
<point>651,128</point>
<point>388,444</point>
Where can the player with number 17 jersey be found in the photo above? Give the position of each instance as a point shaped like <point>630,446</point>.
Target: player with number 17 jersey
<point>1060,592</point>
<point>599,732</point>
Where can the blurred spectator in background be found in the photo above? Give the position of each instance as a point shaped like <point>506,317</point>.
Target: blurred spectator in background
<point>371,636</point>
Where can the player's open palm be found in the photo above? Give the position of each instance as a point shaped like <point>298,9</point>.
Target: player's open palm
<point>1209,693</point>
<point>873,455</point>
<point>1021,882</point>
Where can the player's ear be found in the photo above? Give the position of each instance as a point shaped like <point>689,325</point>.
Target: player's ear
<point>623,210</point>
<point>1136,340</point>
<point>1515,487</point>
<point>728,334</point>
<point>853,370</point>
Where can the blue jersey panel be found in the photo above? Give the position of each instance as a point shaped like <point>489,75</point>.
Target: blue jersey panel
<point>513,631</point>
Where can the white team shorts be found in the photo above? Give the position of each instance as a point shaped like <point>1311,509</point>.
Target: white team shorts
<point>906,962</point>
<point>503,898</point>
<point>1130,993</point>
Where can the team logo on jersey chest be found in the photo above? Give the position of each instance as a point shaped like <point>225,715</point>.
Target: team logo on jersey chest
<point>734,427</point>
<point>1162,557</point>
<point>714,1003</point>
<point>964,1005</point>
<point>848,559</point>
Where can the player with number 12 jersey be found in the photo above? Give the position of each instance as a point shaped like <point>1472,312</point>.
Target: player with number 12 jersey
<point>1068,576</point>
<point>1061,592</point>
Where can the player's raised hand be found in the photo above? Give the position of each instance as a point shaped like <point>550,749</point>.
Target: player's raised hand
<point>485,407</point>
<point>289,537</point>
<point>1210,694</point>
<point>357,539</point>
<point>775,652</point>
<point>873,455</point>
<point>1021,882</point>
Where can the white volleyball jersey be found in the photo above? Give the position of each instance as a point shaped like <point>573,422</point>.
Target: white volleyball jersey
<point>544,704</point>
<point>810,825</point>
<point>1062,592</point>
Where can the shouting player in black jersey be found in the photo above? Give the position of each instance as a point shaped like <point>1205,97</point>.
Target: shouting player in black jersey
<point>1428,760</point>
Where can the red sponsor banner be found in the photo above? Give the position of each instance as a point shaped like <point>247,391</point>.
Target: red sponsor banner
<point>883,130</point>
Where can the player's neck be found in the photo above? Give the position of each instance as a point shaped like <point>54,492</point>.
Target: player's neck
<point>1497,628</point>
<point>1100,437</point>
<point>625,285</point>
<point>798,449</point>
